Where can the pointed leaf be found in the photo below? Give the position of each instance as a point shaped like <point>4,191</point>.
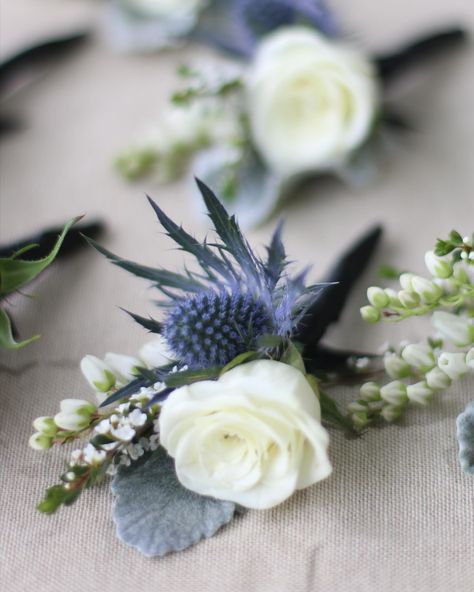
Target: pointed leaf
<point>330,302</point>
<point>155,514</point>
<point>16,273</point>
<point>391,64</point>
<point>276,260</point>
<point>331,414</point>
<point>6,334</point>
<point>206,258</point>
<point>150,324</point>
<point>228,230</point>
<point>160,277</point>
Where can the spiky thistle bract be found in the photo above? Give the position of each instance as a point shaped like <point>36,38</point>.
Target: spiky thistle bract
<point>236,302</point>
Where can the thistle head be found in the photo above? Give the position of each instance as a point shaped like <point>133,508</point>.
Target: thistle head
<point>211,328</point>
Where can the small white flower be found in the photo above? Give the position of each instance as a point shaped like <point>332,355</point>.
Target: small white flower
<point>390,413</point>
<point>155,353</point>
<point>459,330</point>
<point>437,379</point>
<point>394,392</point>
<point>405,281</point>
<point>453,364</point>
<point>76,456</point>
<point>311,101</point>
<point>419,393</point>
<point>75,414</point>
<point>419,356</point>
<point>123,432</point>
<point>123,408</point>
<point>103,427</point>
<point>122,366</point>
<point>470,358</point>
<point>427,290</point>
<point>93,456</point>
<point>137,418</point>
<point>408,299</point>
<point>395,366</point>
<point>98,374</point>
<point>45,425</point>
<point>370,391</point>
<point>438,266</point>
<point>39,441</point>
<point>377,297</point>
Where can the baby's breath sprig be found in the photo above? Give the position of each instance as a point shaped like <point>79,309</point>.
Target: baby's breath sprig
<point>419,370</point>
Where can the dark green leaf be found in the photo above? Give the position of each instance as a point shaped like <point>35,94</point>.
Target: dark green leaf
<point>228,230</point>
<point>6,335</point>
<point>206,258</point>
<point>177,379</point>
<point>331,414</point>
<point>150,324</point>
<point>16,273</point>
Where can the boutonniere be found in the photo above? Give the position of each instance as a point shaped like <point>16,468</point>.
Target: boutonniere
<point>229,408</point>
<point>302,100</point>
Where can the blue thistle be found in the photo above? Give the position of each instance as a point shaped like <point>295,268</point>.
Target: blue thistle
<point>236,298</point>
<point>211,328</point>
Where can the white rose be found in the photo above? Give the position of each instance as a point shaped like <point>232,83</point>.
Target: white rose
<point>252,437</point>
<point>311,101</point>
<point>165,8</point>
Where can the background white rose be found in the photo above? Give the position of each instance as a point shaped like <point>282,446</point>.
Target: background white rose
<point>165,8</point>
<point>311,100</point>
<point>252,437</point>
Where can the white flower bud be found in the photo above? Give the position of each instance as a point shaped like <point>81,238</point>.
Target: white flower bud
<point>390,413</point>
<point>453,364</point>
<point>393,299</point>
<point>370,314</point>
<point>419,393</point>
<point>470,358</point>
<point>437,266</point>
<point>155,353</point>
<point>360,420</point>
<point>97,373</point>
<point>408,299</point>
<point>46,426</point>
<point>377,297</point>
<point>419,356</point>
<point>428,291</point>
<point>357,406</point>
<point>448,286</point>
<point>395,366</point>
<point>370,391</point>
<point>405,281</point>
<point>462,272</point>
<point>39,441</point>
<point>437,379</point>
<point>459,330</point>
<point>122,366</point>
<point>75,414</point>
<point>394,392</point>
<point>93,456</point>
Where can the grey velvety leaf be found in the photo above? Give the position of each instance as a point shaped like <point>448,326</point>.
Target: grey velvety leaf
<point>155,514</point>
<point>465,433</point>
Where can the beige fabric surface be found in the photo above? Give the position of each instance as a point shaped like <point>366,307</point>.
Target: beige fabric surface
<point>397,514</point>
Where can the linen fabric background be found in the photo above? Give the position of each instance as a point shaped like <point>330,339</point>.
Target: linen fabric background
<point>397,514</point>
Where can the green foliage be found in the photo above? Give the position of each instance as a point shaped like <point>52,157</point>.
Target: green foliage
<point>388,272</point>
<point>16,273</point>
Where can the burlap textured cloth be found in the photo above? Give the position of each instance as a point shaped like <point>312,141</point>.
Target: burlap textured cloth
<point>397,515</point>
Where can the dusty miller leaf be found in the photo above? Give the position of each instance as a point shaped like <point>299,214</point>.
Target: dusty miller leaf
<point>465,433</point>
<point>155,514</point>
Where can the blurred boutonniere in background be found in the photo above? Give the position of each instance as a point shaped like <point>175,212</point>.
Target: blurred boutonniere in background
<point>301,100</point>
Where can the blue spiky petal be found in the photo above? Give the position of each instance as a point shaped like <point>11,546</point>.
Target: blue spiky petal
<point>211,328</point>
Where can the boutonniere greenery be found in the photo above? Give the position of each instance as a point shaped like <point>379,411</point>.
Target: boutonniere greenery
<point>17,271</point>
<point>300,99</point>
<point>229,407</point>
